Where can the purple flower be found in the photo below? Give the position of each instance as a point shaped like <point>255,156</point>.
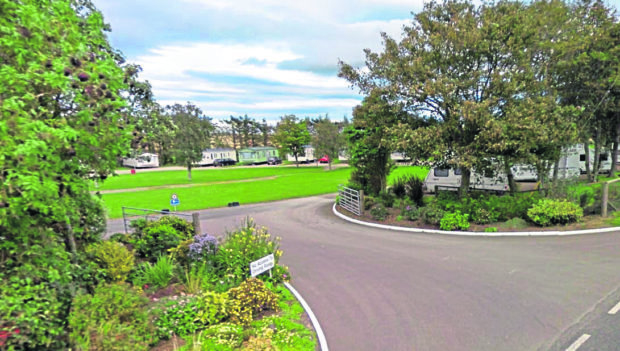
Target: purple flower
<point>203,245</point>
<point>408,208</point>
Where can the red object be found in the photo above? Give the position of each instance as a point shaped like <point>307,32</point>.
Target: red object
<point>324,159</point>
<point>133,171</point>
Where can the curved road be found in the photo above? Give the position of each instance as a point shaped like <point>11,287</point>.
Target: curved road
<point>374,289</point>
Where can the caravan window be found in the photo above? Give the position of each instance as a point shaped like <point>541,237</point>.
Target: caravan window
<point>457,171</point>
<point>439,172</point>
<point>582,157</point>
<point>603,157</point>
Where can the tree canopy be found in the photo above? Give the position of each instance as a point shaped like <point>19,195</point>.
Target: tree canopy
<point>291,136</point>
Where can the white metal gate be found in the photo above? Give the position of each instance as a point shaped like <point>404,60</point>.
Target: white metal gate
<point>351,199</point>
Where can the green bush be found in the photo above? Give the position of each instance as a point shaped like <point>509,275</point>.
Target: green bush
<point>249,298</point>
<point>369,202</point>
<point>114,258</point>
<point>186,315</point>
<point>454,221</point>
<point>414,190</point>
<point>432,213</point>
<point>154,239</point>
<point>515,223</point>
<point>218,337</point>
<point>238,249</point>
<point>386,198</point>
<point>379,212</point>
<point>549,212</point>
<point>158,275</point>
<point>399,187</point>
<point>490,229</point>
<point>410,212</point>
<point>114,318</point>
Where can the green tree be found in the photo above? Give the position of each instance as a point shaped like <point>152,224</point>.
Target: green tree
<point>469,72</point>
<point>291,136</point>
<point>327,139</point>
<point>192,136</point>
<point>63,120</point>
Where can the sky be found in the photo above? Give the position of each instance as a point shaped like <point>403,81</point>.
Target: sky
<point>263,58</point>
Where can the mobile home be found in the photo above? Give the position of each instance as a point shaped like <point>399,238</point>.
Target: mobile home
<point>450,179</point>
<point>306,158</point>
<point>145,160</point>
<point>576,157</point>
<point>209,155</point>
<point>256,155</point>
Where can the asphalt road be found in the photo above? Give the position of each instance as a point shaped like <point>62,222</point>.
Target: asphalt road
<point>375,289</point>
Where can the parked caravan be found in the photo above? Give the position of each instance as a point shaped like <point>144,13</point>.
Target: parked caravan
<point>145,160</point>
<point>450,179</point>
<point>576,157</point>
<point>210,155</point>
<point>306,158</point>
<point>257,155</point>
<point>399,157</point>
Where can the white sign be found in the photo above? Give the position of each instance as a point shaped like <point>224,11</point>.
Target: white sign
<point>262,265</point>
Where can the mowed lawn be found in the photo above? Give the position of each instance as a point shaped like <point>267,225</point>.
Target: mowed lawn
<point>288,183</point>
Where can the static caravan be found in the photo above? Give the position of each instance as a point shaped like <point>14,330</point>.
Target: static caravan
<point>256,155</point>
<point>306,158</point>
<point>450,179</point>
<point>209,155</point>
<point>576,158</point>
<point>145,160</point>
<point>399,157</point>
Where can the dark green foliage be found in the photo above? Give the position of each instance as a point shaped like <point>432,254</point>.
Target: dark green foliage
<point>432,213</point>
<point>379,212</point>
<point>410,212</point>
<point>114,318</point>
<point>154,239</point>
<point>414,189</point>
<point>549,212</point>
<point>399,188</point>
<point>386,198</point>
<point>187,314</point>
<point>291,136</point>
<point>454,221</point>
<point>369,202</point>
<point>157,275</point>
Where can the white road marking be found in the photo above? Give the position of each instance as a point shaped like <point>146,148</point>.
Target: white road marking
<point>578,342</point>
<point>615,309</point>
<point>315,322</point>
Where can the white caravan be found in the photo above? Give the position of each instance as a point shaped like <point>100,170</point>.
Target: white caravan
<point>450,179</point>
<point>306,158</point>
<point>210,155</point>
<point>576,158</point>
<point>145,160</point>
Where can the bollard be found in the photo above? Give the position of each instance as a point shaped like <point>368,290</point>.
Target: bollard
<point>196,221</point>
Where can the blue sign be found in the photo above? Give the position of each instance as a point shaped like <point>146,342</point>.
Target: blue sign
<point>174,200</point>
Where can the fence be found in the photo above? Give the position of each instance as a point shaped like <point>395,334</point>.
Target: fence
<point>610,197</point>
<point>351,200</point>
<point>131,213</point>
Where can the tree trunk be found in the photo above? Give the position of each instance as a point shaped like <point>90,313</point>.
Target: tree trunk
<point>465,180</point>
<point>597,152</point>
<point>556,171</point>
<point>614,153</point>
<point>586,147</point>
<point>330,164</point>
<point>189,171</point>
<point>296,160</point>
<point>511,178</point>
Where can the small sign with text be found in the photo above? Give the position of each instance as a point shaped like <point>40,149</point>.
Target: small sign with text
<point>262,265</point>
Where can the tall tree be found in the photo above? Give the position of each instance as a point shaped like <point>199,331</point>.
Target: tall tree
<point>63,119</point>
<point>327,139</point>
<point>291,136</point>
<point>464,67</point>
<point>192,136</point>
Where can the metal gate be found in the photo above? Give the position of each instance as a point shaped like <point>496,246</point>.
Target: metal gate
<point>351,200</point>
<point>130,214</point>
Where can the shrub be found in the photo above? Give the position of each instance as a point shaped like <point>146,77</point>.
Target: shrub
<point>121,238</point>
<point>203,246</point>
<point>482,215</point>
<point>154,239</point>
<point>432,213</point>
<point>414,190</point>
<point>411,213</point>
<point>250,298</point>
<point>369,202</point>
<point>490,229</point>
<point>187,314</point>
<point>222,336</point>
<point>454,221</point>
<point>158,274</point>
<point>238,249</point>
<point>114,257</point>
<point>515,223</point>
<point>399,188</point>
<point>547,212</point>
<point>114,318</point>
<point>379,212</point>
<point>387,199</point>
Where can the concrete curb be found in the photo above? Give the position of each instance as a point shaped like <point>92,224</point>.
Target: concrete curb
<point>313,319</point>
<point>502,234</point>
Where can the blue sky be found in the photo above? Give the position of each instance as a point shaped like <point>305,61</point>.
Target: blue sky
<point>263,58</point>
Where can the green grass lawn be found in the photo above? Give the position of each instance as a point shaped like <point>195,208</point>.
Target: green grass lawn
<point>289,183</point>
<point>400,171</point>
<point>199,175</point>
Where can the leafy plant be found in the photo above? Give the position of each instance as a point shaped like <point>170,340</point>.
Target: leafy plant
<point>187,314</point>
<point>410,212</point>
<point>386,198</point>
<point>490,229</point>
<point>250,298</point>
<point>547,212</point>
<point>202,247</point>
<point>114,318</point>
<point>159,274</point>
<point>414,190</point>
<point>432,213</point>
<point>515,223</point>
<point>369,202</point>
<point>379,212</point>
<point>114,257</point>
<point>399,187</point>
<point>454,221</point>
<point>154,239</point>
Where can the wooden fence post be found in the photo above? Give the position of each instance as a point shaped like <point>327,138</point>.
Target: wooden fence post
<point>196,221</point>
<point>605,199</point>
<point>361,202</point>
